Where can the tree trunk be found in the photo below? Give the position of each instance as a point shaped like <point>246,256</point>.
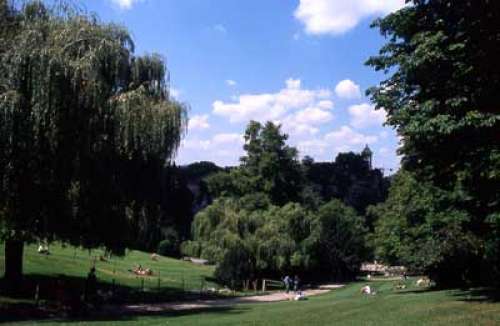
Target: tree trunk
<point>13,263</point>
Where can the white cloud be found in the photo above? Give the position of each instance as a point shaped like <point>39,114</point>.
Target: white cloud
<point>300,111</point>
<point>343,139</point>
<point>338,16</point>
<point>347,89</point>
<point>364,115</point>
<point>224,149</point>
<point>346,136</point>
<point>384,134</point>
<point>229,138</point>
<point>273,106</point>
<point>231,83</point>
<point>175,92</point>
<point>384,151</point>
<point>125,4</point>
<point>198,122</point>
<point>220,28</point>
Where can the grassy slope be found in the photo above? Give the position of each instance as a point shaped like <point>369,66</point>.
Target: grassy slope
<point>342,307</point>
<point>174,274</point>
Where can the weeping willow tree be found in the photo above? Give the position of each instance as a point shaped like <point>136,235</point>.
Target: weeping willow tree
<point>79,115</point>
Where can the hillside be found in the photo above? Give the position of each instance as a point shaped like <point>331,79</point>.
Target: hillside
<point>74,264</point>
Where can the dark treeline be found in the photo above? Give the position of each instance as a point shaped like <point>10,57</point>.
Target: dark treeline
<point>274,214</point>
<point>186,190</point>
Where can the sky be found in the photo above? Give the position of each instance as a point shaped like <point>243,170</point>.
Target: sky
<point>299,63</point>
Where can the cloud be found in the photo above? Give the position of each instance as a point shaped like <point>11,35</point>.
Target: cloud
<point>273,106</point>
<point>228,138</point>
<point>175,92</point>
<point>231,83</point>
<point>125,4</point>
<point>364,115</point>
<point>198,122</point>
<point>347,136</point>
<point>347,89</point>
<point>338,16</point>
<point>220,29</point>
<point>224,148</point>
<point>341,140</point>
<point>300,111</point>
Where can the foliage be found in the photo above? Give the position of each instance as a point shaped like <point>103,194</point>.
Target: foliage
<point>277,240</point>
<point>420,227</point>
<point>80,115</point>
<point>170,245</point>
<point>349,178</point>
<point>269,166</point>
<point>235,267</point>
<point>442,97</point>
<point>338,240</point>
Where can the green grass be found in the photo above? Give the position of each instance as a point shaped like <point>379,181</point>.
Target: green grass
<point>74,263</point>
<point>346,306</point>
<point>341,307</point>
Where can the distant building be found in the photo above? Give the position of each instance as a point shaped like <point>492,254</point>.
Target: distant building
<point>367,155</point>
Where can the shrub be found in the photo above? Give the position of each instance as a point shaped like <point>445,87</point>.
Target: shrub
<point>170,245</point>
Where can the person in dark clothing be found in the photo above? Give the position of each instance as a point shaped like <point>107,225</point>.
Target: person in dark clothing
<point>296,284</point>
<point>90,286</point>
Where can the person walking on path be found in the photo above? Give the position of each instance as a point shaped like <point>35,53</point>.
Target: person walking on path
<point>287,280</point>
<point>296,284</point>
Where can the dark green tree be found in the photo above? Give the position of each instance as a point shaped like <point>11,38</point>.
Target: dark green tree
<point>79,115</point>
<point>421,226</point>
<point>442,97</point>
<point>337,241</point>
<point>271,166</point>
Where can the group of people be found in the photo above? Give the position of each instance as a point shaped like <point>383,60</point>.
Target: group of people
<point>139,270</point>
<point>291,283</point>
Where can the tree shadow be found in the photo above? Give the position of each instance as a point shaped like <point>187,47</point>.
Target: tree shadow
<point>491,295</point>
<point>99,316</point>
<point>487,295</point>
<point>58,294</point>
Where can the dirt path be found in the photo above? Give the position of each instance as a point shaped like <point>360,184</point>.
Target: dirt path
<point>203,304</point>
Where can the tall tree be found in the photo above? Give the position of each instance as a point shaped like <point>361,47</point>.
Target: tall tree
<point>442,97</point>
<point>271,164</point>
<point>79,115</point>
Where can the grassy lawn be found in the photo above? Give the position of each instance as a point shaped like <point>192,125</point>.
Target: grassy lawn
<point>341,307</point>
<point>170,275</point>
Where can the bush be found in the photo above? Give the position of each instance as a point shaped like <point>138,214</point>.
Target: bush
<point>191,248</point>
<point>170,245</point>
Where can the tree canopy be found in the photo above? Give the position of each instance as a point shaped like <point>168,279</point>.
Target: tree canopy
<point>80,113</point>
<point>441,95</point>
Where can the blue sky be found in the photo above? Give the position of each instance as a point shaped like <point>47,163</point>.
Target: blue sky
<point>296,62</point>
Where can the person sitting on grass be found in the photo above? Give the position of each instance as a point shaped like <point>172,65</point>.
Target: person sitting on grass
<point>43,249</point>
<point>367,290</point>
<point>142,271</point>
<point>155,257</point>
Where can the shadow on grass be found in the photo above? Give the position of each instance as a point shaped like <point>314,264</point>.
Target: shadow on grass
<point>479,295</point>
<point>98,316</point>
<point>469,295</point>
<point>58,293</point>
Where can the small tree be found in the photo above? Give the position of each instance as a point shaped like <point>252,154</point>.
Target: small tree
<point>338,241</point>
